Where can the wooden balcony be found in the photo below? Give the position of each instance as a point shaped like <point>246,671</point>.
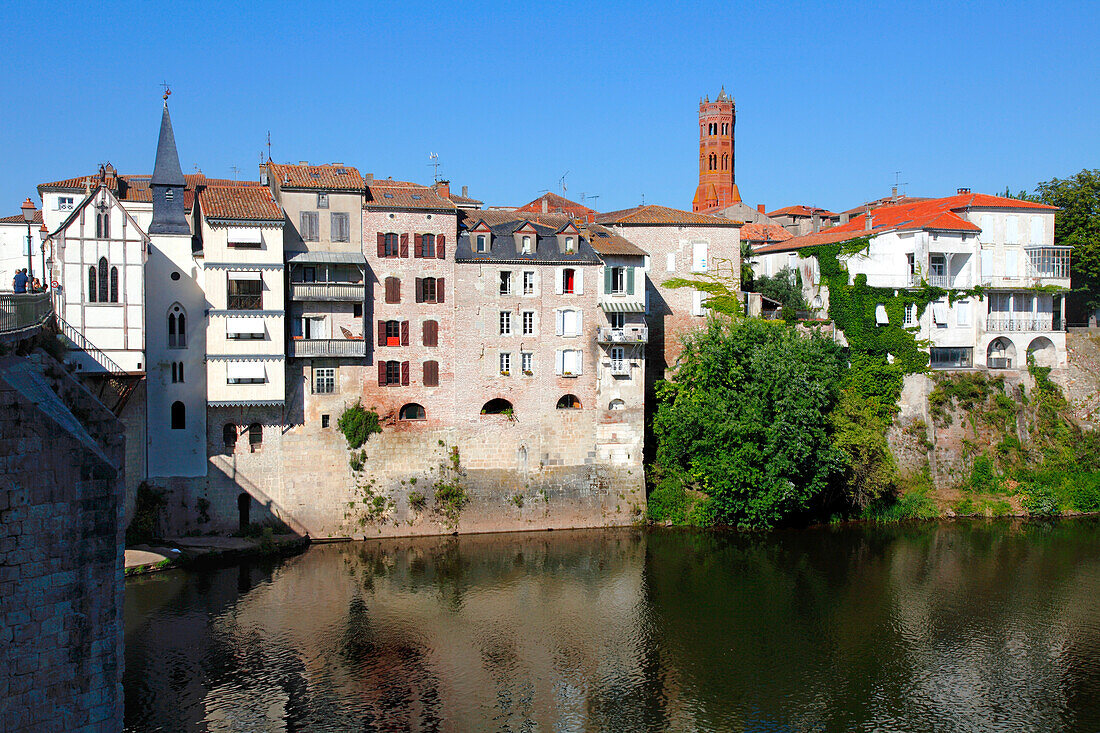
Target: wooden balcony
<point>341,348</point>
<point>327,292</point>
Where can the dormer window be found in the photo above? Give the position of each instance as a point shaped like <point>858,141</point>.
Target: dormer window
<point>322,201</point>
<point>570,245</point>
<point>481,243</point>
<point>527,245</point>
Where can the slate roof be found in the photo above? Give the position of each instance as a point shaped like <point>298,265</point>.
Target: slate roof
<point>166,169</point>
<point>241,203</point>
<point>653,214</point>
<point>328,177</point>
<point>607,242</point>
<point>503,246</point>
<point>405,195</point>
<point>559,204</point>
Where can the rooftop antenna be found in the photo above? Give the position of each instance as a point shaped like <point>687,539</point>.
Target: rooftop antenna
<point>268,146</point>
<point>235,170</point>
<point>897,184</point>
<point>594,197</point>
<point>435,165</point>
<point>561,182</point>
<point>643,199</point>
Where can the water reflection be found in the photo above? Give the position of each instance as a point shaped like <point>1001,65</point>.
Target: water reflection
<point>967,626</point>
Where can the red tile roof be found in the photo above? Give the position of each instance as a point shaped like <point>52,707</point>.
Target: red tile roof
<point>330,177</point>
<point>405,195</point>
<point>559,204</point>
<point>764,233</point>
<point>941,214</point>
<point>249,203</point>
<point>801,211</point>
<point>653,214</point>
<point>135,187</point>
<point>18,219</point>
<point>457,199</point>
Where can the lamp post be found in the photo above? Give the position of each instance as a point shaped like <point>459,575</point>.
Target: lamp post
<point>28,216</point>
<point>43,233</point>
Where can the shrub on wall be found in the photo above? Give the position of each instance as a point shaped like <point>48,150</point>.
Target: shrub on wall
<point>357,424</point>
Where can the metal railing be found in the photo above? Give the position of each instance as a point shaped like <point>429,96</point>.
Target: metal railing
<point>620,368</point>
<point>936,281</point>
<point>1014,323</point>
<point>23,311</point>
<point>631,334</point>
<point>327,291</point>
<point>121,383</point>
<point>328,347</point>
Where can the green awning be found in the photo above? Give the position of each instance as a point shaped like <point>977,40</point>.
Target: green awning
<point>622,306</point>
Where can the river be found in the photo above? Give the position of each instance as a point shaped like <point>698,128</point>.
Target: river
<point>953,626</point>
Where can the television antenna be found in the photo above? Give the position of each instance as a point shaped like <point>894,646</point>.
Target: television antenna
<point>561,182</point>
<point>236,171</point>
<point>268,145</point>
<point>897,183</point>
<point>434,165</point>
<point>594,197</point>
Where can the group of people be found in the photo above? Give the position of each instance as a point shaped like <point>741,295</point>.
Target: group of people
<point>23,283</point>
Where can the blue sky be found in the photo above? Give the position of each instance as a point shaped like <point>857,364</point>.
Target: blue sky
<point>832,99</point>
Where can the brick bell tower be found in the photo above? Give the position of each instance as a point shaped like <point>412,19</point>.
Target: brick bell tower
<point>717,187</point>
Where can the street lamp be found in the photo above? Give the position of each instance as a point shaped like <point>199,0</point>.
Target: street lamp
<point>28,216</point>
<point>43,233</point>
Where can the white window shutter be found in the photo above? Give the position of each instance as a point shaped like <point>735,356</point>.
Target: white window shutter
<point>962,313</point>
<point>560,327</point>
<point>578,282</point>
<point>987,227</point>
<point>1012,230</point>
<point>987,265</point>
<point>578,358</point>
<point>580,327</point>
<point>559,361</point>
<point>1011,264</point>
<point>670,262</point>
<point>560,283</point>
<point>1037,230</point>
<point>699,257</point>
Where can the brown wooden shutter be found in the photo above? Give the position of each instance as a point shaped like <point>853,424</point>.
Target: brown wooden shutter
<point>389,289</point>
<point>431,333</point>
<point>381,333</point>
<point>431,374</point>
<point>404,333</point>
<point>439,290</point>
<point>441,246</point>
<point>405,245</point>
<point>381,244</point>
<point>419,290</point>
<point>418,244</point>
<point>381,374</point>
<point>404,374</point>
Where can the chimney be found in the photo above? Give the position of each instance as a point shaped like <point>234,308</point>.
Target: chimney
<point>369,177</point>
<point>963,190</point>
<point>303,162</point>
<point>465,192</point>
<point>443,188</point>
<point>815,222</point>
<point>868,221</point>
<point>760,208</point>
<point>894,194</point>
<point>263,174</point>
<point>843,218</point>
<point>545,205</point>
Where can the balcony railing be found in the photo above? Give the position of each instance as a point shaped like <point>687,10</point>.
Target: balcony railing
<point>620,368</point>
<point>936,281</point>
<point>1000,324</point>
<point>327,291</point>
<point>632,334</point>
<point>19,312</point>
<point>328,347</point>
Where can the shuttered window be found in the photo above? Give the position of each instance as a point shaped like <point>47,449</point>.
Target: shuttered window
<point>431,374</point>
<point>431,333</point>
<point>310,229</point>
<point>393,290</point>
<point>340,229</point>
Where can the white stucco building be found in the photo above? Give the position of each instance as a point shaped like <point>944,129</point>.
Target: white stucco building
<point>1004,245</point>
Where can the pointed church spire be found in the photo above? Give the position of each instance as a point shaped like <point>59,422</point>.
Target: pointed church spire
<point>168,183</point>
<point>166,170</point>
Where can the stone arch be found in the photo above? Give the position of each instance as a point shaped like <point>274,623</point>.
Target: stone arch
<point>616,404</point>
<point>412,411</point>
<point>1001,354</point>
<point>568,402</point>
<point>1043,351</point>
<point>497,406</point>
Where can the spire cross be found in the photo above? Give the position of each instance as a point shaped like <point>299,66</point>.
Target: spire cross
<point>167,91</point>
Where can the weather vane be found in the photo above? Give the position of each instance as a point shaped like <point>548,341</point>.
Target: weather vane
<point>167,91</point>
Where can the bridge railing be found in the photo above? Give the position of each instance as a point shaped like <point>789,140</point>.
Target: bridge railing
<point>23,311</point>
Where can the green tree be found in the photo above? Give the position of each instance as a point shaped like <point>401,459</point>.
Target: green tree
<point>744,420</point>
<point>747,277</point>
<point>785,287</point>
<point>1077,225</point>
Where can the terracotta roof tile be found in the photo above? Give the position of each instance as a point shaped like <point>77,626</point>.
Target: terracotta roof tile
<point>653,214</point>
<point>801,211</point>
<point>18,219</point>
<point>764,233</point>
<point>249,203</point>
<point>329,177</point>
<point>559,204</point>
<point>457,199</point>
<point>405,195</point>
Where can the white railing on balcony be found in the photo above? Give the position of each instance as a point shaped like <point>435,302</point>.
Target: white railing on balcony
<point>326,291</point>
<point>631,334</point>
<point>936,281</point>
<point>328,347</point>
<point>996,324</point>
<point>620,368</point>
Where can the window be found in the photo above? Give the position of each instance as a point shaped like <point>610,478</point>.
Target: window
<point>389,373</point>
<point>617,320</point>
<point>229,436</point>
<point>951,357</point>
<point>245,372</point>
<point>411,411</point>
<point>255,437</point>
<point>324,421</point>
<point>64,203</point>
<point>114,284</point>
<point>177,328</point>
<point>570,244</point>
<point>568,362</point>
<point>528,323</point>
<point>480,243</point>
<point>506,323</point>
<point>1050,261</point>
<point>698,256</point>
<point>1012,264</point>
<point>393,290</point>
<point>177,371</point>
<point>245,291</point>
<point>568,280</point>
<point>697,307</point>
<point>92,290</point>
<point>393,333</point>
<point>670,262</point>
<point>179,416</point>
<point>616,404</point>
<point>324,380</point>
<point>103,295</point>
<point>339,226</point>
<point>911,263</point>
<point>430,333</point>
<point>431,374</point>
<point>505,282</point>
<point>569,402</point>
<point>527,362</point>
<point>910,314</point>
<point>310,228</point>
<point>429,290</point>
<point>962,313</point>
<point>528,283</point>
<point>526,245</point>
<point>356,310</point>
<point>103,224</point>
<point>169,194</point>
<point>618,363</point>
<point>937,265</point>
<point>615,280</point>
<point>391,245</point>
<point>505,364</point>
<point>1012,230</point>
<point>569,322</point>
<point>322,201</point>
<point>427,245</point>
<point>497,406</point>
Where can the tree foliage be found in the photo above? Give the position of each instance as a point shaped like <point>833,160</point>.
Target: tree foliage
<point>357,424</point>
<point>786,288</point>
<point>1077,225</point>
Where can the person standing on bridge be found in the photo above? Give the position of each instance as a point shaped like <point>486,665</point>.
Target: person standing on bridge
<point>19,282</point>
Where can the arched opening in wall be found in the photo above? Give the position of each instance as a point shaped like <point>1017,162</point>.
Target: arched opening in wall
<point>103,296</point>
<point>616,404</point>
<point>412,411</point>
<point>114,284</point>
<point>244,510</point>
<point>1043,351</point>
<point>1001,354</point>
<point>497,406</point>
<point>92,287</point>
<point>229,437</point>
<point>255,437</point>
<point>177,327</point>
<point>569,402</point>
<point>179,416</point>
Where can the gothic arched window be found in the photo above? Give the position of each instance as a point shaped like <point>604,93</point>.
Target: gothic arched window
<point>103,295</point>
<point>177,327</point>
<point>179,416</point>
<point>91,284</point>
<point>114,284</point>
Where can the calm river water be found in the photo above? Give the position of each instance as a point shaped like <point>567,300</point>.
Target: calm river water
<point>965,626</point>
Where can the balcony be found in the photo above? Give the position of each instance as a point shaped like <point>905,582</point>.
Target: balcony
<point>346,348</point>
<point>631,334</point>
<point>620,368</point>
<point>1008,324</point>
<point>936,281</point>
<point>327,291</point>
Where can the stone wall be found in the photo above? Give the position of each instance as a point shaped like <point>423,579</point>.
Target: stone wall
<point>61,497</point>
